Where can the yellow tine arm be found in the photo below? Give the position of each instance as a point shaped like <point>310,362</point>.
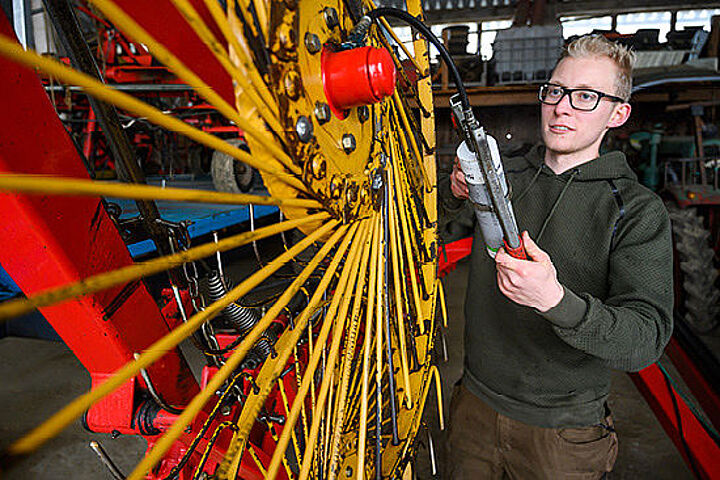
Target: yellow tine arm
<point>132,28</point>
<point>15,52</point>
<point>197,403</point>
<point>42,184</point>
<point>102,281</point>
<point>443,308</point>
<point>74,409</point>
<point>316,354</point>
<point>273,367</point>
<point>395,255</point>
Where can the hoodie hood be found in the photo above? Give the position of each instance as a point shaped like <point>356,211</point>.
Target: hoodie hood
<point>608,166</point>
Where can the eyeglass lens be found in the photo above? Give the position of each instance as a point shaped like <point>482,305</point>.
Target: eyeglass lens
<point>579,99</point>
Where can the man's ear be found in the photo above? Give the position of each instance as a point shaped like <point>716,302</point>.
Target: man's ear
<point>620,115</point>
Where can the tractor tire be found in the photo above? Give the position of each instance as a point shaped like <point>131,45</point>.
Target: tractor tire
<point>698,274</point>
<point>231,175</point>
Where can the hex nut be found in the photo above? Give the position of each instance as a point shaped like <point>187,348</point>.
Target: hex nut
<point>348,143</point>
<point>331,17</point>
<point>322,112</point>
<point>312,43</point>
<point>335,184</point>
<point>318,167</point>
<point>286,35</point>
<point>292,84</point>
<point>351,194</point>
<point>304,129</point>
<point>363,113</point>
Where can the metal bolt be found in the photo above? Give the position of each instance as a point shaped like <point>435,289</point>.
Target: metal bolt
<point>292,84</point>
<point>304,129</point>
<point>287,37</point>
<point>312,43</point>
<point>225,410</point>
<point>348,472</point>
<point>335,184</point>
<point>331,17</point>
<point>377,181</point>
<point>363,113</point>
<point>364,194</point>
<point>351,194</point>
<point>348,143</point>
<point>318,167</point>
<point>322,112</point>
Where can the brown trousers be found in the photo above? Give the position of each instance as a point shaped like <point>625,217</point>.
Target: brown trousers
<point>483,444</point>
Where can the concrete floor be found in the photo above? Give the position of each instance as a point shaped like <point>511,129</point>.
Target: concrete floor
<point>40,376</point>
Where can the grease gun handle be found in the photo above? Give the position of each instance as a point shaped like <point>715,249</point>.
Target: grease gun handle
<point>516,252</point>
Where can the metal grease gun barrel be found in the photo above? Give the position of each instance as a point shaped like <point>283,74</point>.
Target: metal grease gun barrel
<point>487,220</point>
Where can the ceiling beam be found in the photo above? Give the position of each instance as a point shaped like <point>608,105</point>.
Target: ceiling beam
<point>574,8</point>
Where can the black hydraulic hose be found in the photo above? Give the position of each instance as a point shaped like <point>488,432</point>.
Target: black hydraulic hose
<point>386,313</point>
<point>430,37</point>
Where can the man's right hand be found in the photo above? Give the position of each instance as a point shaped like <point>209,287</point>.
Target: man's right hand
<point>457,182</point>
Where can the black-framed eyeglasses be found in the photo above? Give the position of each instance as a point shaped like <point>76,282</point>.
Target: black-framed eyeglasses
<point>583,99</point>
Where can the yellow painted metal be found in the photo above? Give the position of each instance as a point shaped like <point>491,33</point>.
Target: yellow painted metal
<point>47,185</point>
<point>15,52</point>
<point>339,325</point>
<point>262,14</point>
<point>372,282</point>
<point>399,304</point>
<point>255,82</point>
<point>407,136</point>
<point>409,237</point>
<point>441,296</point>
<point>379,336</point>
<point>421,71</point>
<point>73,410</point>
<point>232,362</point>
<point>314,359</point>
<point>338,421</point>
<point>304,178</point>
<point>438,392</point>
<point>257,461</point>
<point>102,281</point>
<point>273,367</point>
<point>286,407</point>
<point>208,448</point>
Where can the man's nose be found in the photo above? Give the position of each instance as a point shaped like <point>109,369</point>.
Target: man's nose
<point>563,106</point>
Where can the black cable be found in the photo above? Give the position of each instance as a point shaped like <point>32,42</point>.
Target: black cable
<point>686,447</point>
<point>430,37</point>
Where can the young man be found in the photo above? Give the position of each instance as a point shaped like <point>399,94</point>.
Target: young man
<point>542,335</point>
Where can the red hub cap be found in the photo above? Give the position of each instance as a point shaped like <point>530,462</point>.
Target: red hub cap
<point>360,76</point>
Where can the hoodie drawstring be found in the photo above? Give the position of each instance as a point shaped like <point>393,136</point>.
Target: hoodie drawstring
<point>557,202</point>
<point>527,189</point>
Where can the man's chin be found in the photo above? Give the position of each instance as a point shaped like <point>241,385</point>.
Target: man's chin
<point>556,146</point>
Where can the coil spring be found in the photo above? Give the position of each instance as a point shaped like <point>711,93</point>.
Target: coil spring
<point>241,318</point>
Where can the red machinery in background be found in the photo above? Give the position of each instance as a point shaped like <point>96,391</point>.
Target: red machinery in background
<point>129,67</point>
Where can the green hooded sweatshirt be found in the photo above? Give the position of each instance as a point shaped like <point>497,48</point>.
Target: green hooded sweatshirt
<point>609,238</point>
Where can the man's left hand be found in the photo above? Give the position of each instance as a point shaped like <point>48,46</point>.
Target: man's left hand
<point>531,282</point>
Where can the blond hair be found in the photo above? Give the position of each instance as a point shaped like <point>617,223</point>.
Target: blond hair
<point>597,45</point>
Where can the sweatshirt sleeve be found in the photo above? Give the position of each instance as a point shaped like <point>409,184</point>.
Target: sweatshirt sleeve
<point>631,327</point>
<point>450,206</point>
